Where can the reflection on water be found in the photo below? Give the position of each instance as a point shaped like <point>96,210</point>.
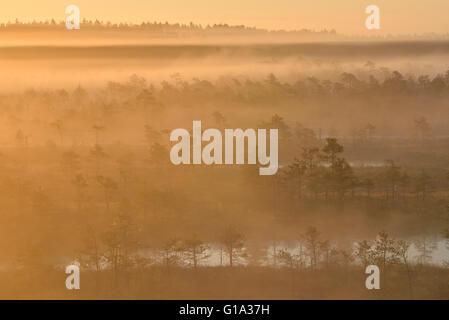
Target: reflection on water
<point>436,251</point>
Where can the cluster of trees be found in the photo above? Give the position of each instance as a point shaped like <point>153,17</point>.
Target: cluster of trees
<point>325,172</point>
<point>192,29</point>
<point>153,102</point>
<point>375,81</point>
<point>314,162</point>
<point>314,252</point>
<point>119,251</point>
<point>384,252</point>
<point>158,28</point>
<point>119,248</point>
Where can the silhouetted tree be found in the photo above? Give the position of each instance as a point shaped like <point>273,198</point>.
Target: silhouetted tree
<point>311,240</point>
<point>233,242</point>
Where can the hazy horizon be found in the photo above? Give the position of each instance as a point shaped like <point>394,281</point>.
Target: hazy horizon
<point>345,16</point>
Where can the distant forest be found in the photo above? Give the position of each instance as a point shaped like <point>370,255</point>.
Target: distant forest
<point>157,28</point>
<point>181,30</point>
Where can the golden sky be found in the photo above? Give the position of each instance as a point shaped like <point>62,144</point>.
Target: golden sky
<point>346,16</point>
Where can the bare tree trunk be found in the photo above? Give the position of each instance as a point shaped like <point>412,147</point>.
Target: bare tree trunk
<point>409,276</point>
<point>230,255</point>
